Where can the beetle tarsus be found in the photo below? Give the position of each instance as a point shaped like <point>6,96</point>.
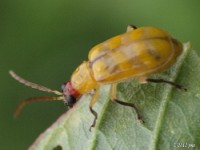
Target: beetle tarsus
<point>133,26</point>
<point>130,105</point>
<point>95,118</point>
<point>178,86</point>
<point>130,28</point>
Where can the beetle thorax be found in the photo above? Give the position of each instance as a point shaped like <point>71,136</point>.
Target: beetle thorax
<point>82,79</point>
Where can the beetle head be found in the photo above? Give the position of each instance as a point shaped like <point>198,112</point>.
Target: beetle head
<point>70,94</point>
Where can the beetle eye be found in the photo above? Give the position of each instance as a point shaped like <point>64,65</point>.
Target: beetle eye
<point>70,100</point>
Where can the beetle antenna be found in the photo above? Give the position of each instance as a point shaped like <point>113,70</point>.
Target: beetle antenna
<point>33,85</point>
<point>31,99</point>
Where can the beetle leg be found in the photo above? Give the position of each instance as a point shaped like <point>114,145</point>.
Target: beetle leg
<point>113,96</point>
<point>178,86</point>
<point>92,102</point>
<point>130,28</point>
<point>142,79</point>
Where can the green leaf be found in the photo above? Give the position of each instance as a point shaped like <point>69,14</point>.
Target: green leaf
<point>171,116</point>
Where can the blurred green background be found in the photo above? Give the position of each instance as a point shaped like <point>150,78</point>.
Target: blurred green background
<point>44,41</point>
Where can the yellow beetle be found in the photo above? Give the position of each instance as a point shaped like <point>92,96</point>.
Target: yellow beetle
<point>135,54</point>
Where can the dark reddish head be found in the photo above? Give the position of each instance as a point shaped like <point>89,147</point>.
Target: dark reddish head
<point>70,94</point>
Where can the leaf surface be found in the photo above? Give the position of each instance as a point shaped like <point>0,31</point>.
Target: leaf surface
<point>171,116</point>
